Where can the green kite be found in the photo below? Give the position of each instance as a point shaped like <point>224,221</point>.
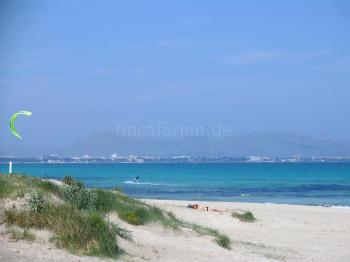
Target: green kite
<point>13,119</point>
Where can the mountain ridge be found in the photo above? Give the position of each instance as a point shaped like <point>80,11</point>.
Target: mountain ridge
<point>273,144</point>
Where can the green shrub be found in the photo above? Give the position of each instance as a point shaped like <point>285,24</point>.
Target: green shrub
<point>246,216</point>
<point>132,218</point>
<point>134,215</point>
<point>81,197</point>
<point>68,180</point>
<point>223,241</point>
<point>37,202</point>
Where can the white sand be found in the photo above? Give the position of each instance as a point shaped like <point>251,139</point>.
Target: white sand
<point>281,233</point>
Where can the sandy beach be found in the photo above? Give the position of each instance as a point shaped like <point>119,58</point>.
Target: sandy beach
<point>281,233</point>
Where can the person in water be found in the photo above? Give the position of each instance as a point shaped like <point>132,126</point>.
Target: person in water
<point>136,178</point>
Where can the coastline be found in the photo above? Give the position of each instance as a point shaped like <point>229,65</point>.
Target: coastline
<point>220,202</point>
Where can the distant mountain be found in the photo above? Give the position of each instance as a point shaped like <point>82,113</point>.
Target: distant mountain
<point>273,144</point>
<point>266,144</point>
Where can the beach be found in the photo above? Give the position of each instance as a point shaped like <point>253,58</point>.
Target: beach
<point>280,233</point>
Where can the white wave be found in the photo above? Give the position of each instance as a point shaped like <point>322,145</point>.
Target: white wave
<point>245,195</point>
<point>342,207</point>
<point>141,183</point>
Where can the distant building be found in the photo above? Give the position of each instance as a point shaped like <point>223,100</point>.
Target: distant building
<point>134,159</point>
<point>114,157</point>
<point>255,158</point>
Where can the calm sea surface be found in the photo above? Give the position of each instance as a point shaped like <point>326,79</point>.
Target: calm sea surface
<point>291,183</point>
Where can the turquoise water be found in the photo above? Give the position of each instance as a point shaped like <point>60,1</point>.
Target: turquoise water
<point>291,183</point>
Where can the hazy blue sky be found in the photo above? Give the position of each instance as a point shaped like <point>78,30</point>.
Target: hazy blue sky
<point>82,66</point>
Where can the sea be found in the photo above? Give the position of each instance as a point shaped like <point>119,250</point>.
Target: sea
<point>325,184</point>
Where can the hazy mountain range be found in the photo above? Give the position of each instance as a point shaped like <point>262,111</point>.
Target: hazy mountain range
<point>273,144</point>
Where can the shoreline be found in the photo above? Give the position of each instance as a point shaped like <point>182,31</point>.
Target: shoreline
<point>347,161</point>
<point>59,182</point>
<point>241,202</point>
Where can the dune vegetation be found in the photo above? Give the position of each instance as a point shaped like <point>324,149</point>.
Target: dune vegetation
<point>245,216</point>
<point>77,215</point>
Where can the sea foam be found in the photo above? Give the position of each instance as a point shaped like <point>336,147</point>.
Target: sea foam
<point>141,183</point>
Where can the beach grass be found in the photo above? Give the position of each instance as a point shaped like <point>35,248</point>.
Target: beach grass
<point>68,180</point>
<point>80,232</point>
<point>22,234</point>
<point>19,185</point>
<point>136,212</point>
<point>6,188</point>
<point>50,187</point>
<point>221,239</point>
<point>245,216</point>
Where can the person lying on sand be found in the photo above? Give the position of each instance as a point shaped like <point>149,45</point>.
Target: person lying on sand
<point>195,206</point>
<point>205,208</point>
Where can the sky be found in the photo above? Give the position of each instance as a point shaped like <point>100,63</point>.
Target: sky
<point>85,66</point>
